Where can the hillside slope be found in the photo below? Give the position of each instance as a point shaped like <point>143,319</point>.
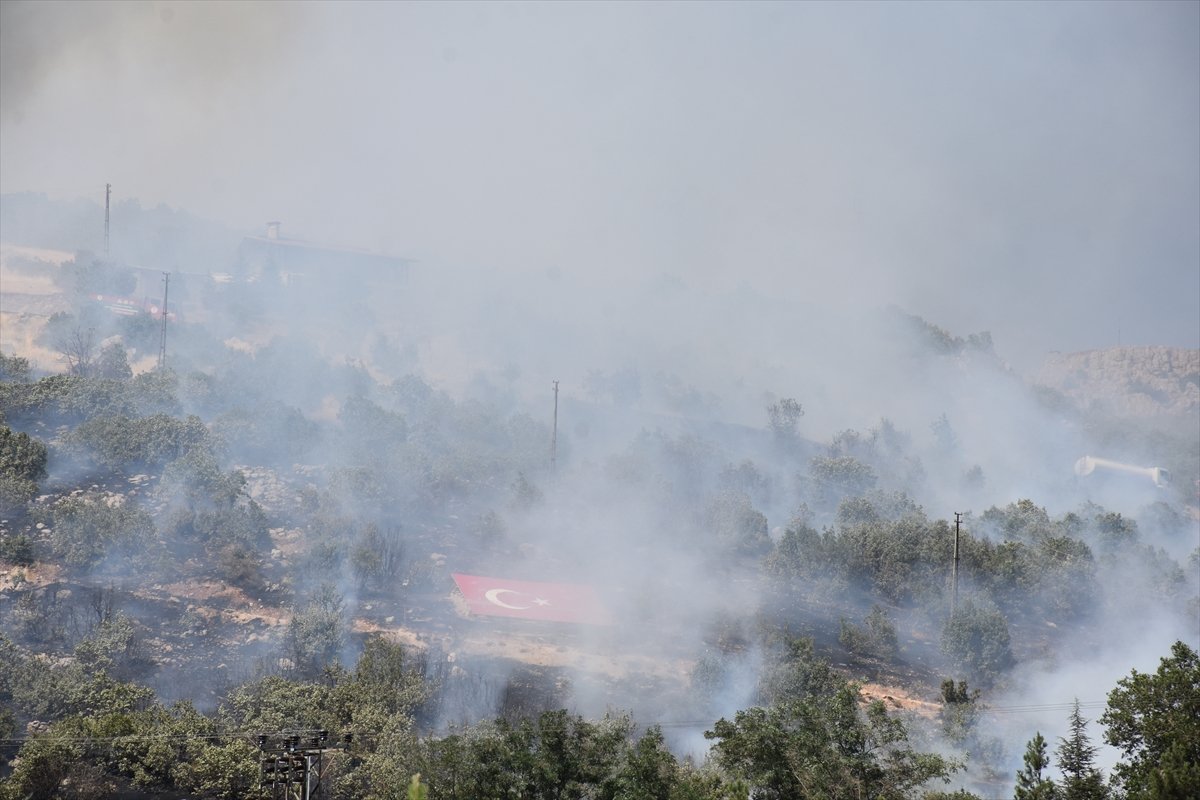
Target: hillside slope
<point>1149,381</point>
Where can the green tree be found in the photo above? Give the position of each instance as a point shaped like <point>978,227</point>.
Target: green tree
<point>736,524</point>
<point>43,400</point>
<point>823,748</point>
<point>959,712</point>
<point>746,477</point>
<point>838,476</point>
<point>21,456</point>
<point>115,647</point>
<point>943,434</point>
<point>1076,758</point>
<point>15,494</point>
<point>525,494</point>
<point>386,682</point>
<point>167,742</point>
<point>1155,721</point>
<point>155,392</point>
<point>14,369</point>
<point>707,782</point>
<point>382,767</point>
<point>876,638</point>
<point>16,548</point>
<point>883,632</point>
<point>1114,531</point>
<point>1031,785</point>
<point>569,753</point>
<point>800,553</point>
<point>22,465</point>
<point>82,686</point>
<point>270,432</point>
<point>370,430</point>
<point>977,639</point>
<point>554,756</point>
<point>113,363</point>
<point>1023,520</point>
<point>228,771</point>
<point>796,673</point>
<point>119,441</point>
<point>212,508</point>
<point>275,703</point>
<point>43,763</point>
<point>89,527</point>
<point>648,770</point>
<point>783,417</point>
<point>1175,778</point>
<point>316,634</point>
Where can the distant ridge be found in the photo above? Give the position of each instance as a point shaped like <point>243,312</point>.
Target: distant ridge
<point>1146,381</point>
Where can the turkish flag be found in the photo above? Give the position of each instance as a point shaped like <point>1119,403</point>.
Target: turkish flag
<point>553,602</point>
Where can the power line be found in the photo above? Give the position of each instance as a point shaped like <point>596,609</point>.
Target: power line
<point>350,736</point>
<point>149,737</point>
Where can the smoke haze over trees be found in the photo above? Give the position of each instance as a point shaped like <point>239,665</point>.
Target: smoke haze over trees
<point>647,299</point>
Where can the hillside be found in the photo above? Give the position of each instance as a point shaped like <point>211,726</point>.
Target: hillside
<point>1140,382</point>
<point>265,521</point>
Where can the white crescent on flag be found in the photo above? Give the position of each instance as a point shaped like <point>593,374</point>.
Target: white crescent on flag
<point>553,602</point>
<point>493,596</point>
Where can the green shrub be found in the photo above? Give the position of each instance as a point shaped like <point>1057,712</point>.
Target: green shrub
<point>976,638</point>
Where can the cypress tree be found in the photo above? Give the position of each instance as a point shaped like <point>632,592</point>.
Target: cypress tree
<point>1076,759</point>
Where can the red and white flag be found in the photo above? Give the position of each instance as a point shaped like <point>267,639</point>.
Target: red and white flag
<point>553,602</point>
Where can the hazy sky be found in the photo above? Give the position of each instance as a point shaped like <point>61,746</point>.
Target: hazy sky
<point>1029,169</point>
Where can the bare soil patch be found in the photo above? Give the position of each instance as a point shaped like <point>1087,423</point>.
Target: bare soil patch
<point>897,697</point>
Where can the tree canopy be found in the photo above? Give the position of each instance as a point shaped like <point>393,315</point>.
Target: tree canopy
<point>1154,719</point>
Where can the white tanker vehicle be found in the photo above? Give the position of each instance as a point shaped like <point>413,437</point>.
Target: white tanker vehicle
<point>1089,465</point>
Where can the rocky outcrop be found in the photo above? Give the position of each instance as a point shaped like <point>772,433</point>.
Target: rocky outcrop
<point>1127,381</point>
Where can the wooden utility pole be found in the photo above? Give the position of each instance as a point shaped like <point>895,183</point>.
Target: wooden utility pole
<point>554,434</point>
<point>162,339</point>
<point>954,572</point>
<point>107,197</point>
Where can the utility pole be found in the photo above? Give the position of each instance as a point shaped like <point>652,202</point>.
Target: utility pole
<point>554,434</point>
<point>292,770</point>
<point>107,197</point>
<point>162,339</point>
<point>954,573</point>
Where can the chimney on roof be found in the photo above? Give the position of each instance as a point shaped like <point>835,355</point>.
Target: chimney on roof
<point>272,230</point>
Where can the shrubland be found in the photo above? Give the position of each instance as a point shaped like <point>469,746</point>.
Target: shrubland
<point>313,491</point>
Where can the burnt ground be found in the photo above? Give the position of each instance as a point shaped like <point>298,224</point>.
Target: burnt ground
<point>201,635</point>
